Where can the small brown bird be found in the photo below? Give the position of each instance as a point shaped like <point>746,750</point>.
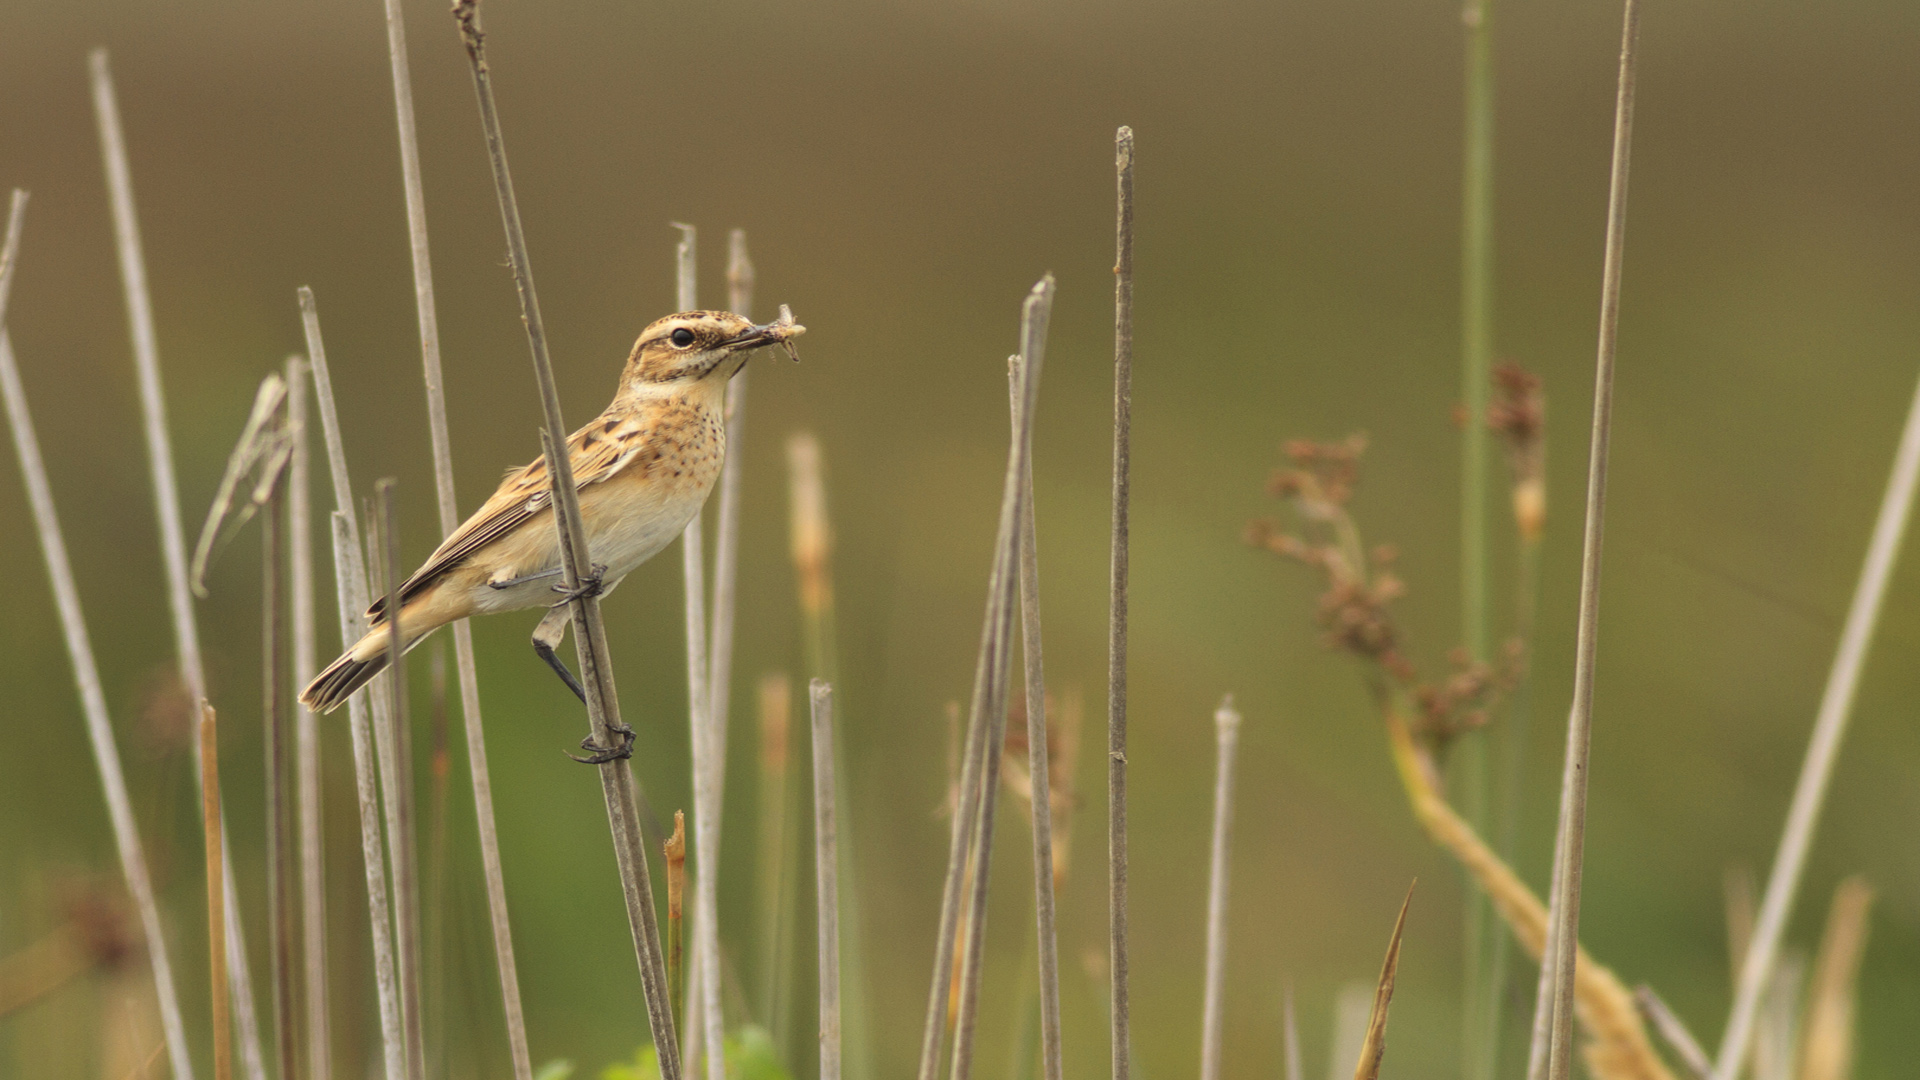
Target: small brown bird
<point>642,469</point>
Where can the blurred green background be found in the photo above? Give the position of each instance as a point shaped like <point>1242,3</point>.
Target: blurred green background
<point>905,172</point>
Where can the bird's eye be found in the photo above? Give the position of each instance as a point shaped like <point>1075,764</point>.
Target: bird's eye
<point>682,338</point>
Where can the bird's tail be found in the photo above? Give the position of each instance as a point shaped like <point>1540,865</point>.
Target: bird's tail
<point>355,667</point>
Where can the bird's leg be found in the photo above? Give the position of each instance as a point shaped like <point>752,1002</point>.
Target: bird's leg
<point>546,639</point>
<point>523,579</point>
<point>591,584</point>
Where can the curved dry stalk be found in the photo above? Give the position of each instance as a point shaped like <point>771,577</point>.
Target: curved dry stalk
<point>166,498</point>
<point>590,637</point>
<point>1617,1046</point>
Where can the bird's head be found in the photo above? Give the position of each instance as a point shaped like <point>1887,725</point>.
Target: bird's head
<point>701,347</point>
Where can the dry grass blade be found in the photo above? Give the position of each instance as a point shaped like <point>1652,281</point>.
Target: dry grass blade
<point>93,701</point>
<point>216,911</point>
<point>590,639</point>
<point>449,519</point>
<point>1823,748</point>
<point>396,782</point>
<point>1117,607</point>
<point>1226,724</point>
<point>1572,832</point>
<point>1673,1032</point>
<point>166,497</point>
<point>262,450</point>
<point>826,872</point>
<point>1826,1048</point>
<point>350,597</point>
<point>1374,1047</point>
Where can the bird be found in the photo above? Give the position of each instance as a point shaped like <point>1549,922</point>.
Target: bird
<point>642,469</point>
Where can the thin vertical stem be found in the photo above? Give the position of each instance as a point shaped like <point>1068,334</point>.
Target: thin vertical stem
<point>350,598</point>
<point>1117,607</point>
<point>590,640</point>
<point>773,843</point>
<point>313,881</point>
<point>726,548</point>
<point>826,872</point>
<point>1565,910</point>
<point>1485,972</point>
<point>281,889</point>
<point>166,497</point>
<point>93,700</point>
<point>1033,669</point>
<point>1290,1036</point>
<point>1226,728</point>
<point>1823,747</point>
<point>999,653</point>
<point>396,779</point>
<point>216,911</point>
<point>449,518</point>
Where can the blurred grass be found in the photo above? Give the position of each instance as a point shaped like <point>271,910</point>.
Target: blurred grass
<point>904,170</point>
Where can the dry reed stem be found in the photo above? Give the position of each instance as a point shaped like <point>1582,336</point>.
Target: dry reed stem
<point>1035,313</point>
<point>1117,608</point>
<point>1672,1032</point>
<point>590,638</point>
<point>1826,1044</point>
<point>1374,1047</point>
<point>282,888</point>
<point>773,844</point>
<point>1290,1036</point>
<point>674,855</point>
<point>826,872</point>
<point>391,739</point>
<point>1566,899</point>
<point>166,497</point>
<point>1823,747</point>
<point>350,598</point>
<point>449,519</point>
<point>1617,1048</point>
<point>93,700</point>
<point>726,547</point>
<point>313,881</point>
<point>216,911</point>
<point>1039,771</point>
<point>1226,727</point>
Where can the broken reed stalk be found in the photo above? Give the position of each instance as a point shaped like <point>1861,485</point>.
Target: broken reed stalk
<point>1573,821</point>
<point>282,891</point>
<point>773,842</point>
<point>166,497</point>
<point>1117,607</point>
<point>449,519</point>
<point>590,638</point>
<point>703,1005</point>
<point>1040,780</point>
<point>1226,726</point>
<point>674,856</point>
<point>1823,747</point>
<point>216,911</point>
<point>313,880</point>
<point>826,872</point>
<point>1374,1047</point>
<point>93,701</point>
<point>971,852</point>
<point>392,740</point>
<point>1485,945</point>
<point>350,597</point>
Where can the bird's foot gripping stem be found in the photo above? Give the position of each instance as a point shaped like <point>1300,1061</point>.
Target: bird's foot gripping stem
<point>591,585</point>
<point>600,755</point>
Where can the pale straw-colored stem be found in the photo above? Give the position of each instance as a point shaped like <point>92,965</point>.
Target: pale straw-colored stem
<point>449,518</point>
<point>282,873</point>
<point>1033,667</point>
<point>1565,909</point>
<point>93,699</point>
<point>1226,729</point>
<point>396,782</point>
<point>313,880</point>
<point>1823,748</point>
<point>1672,1032</point>
<point>222,1004</point>
<point>726,545</point>
<point>350,596</point>
<point>1120,1047</point>
<point>166,498</point>
<point>826,872</point>
<point>590,638</point>
<point>1290,1036</point>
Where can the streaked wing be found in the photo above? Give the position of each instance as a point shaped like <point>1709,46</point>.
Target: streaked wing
<point>598,451</point>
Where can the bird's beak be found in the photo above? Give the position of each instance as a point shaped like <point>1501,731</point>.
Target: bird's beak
<point>780,331</point>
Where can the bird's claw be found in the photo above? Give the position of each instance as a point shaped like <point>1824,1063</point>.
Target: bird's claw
<point>593,584</point>
<point>600,755</point>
